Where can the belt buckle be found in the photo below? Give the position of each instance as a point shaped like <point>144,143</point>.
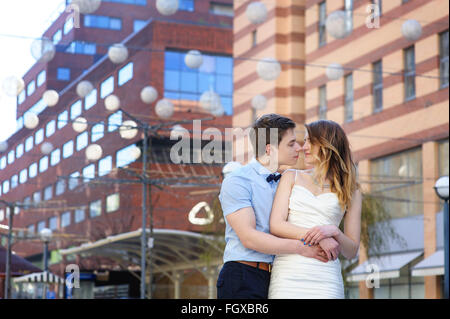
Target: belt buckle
<point>270,267</point>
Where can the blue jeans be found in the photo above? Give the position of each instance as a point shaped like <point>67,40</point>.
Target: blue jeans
<point>239,281</point>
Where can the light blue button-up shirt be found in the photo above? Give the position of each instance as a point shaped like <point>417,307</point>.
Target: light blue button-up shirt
<point>247,187</point>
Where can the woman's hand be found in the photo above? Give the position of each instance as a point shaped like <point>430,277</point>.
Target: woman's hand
<point>316,234</point>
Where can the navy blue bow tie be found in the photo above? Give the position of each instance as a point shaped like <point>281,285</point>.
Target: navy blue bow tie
<point>273,177</point>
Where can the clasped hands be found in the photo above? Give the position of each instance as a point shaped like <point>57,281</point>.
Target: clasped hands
<point>323,236</point>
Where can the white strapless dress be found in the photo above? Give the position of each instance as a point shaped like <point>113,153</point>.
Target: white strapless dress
<point>299,277</point>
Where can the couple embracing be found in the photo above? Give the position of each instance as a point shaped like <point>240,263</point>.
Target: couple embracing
<point>282,230</point>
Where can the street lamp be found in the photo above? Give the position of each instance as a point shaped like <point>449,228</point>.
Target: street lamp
<point>441,188</point>
<point>46,236</point>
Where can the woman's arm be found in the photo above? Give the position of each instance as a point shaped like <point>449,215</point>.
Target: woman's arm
<point>279,226</point>
<point>349,240</point>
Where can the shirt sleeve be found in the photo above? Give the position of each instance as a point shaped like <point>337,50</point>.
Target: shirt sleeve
<point>235,194</point>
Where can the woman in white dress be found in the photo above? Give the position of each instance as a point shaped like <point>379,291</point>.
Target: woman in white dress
<point>309,206</point>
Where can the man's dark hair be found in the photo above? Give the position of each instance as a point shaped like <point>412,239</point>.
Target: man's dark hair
<point>266,122</point>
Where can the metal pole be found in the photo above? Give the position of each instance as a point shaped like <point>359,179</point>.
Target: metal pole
<point>8,253</point>
<point>150,268</point>
<point>446,250</point>
<point>144,216</point>
<point>45,268</point>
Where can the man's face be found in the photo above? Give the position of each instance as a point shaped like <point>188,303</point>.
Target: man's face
<point>288,150</point>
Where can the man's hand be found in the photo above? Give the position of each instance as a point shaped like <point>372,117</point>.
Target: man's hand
<point>331,248</point>
<point>315,252</point>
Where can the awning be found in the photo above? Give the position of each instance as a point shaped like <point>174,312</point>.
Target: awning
<point>431,266</point>
<point>45,277</point>
<point>389,266</point>
<point>172,249</point>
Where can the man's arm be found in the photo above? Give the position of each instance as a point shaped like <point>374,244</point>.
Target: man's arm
<point>243,223</point>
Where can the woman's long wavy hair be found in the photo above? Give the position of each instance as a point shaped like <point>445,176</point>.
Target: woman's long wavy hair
<point>334,159</point>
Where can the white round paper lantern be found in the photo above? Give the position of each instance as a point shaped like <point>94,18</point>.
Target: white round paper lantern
<point>94,152</point>
<point>167,7</point>
<point>30,121</point>
<point>268,69</point>
<point>87,6</point>
<point>118,53</point>
<point>210,101</point>
<point>334,71</point>
<point>336,24</point>
<point>43,50</point>
<point>135,152</point>
<point>46,148</point>
<point>80,124</point>
<point>256,12</point>
<point>3,146</point>
<point>149,94</point>
<point>51,97</point>
<point>193,59</point>
<point>259,102</point>
<point>411,30</point>
<point>13,86</point>
<point>84,88</point>
<point>128,130</point>
<point>164,109</point>
<point>112,103</point>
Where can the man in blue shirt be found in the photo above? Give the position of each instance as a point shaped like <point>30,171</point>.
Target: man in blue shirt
<point>246,197</point>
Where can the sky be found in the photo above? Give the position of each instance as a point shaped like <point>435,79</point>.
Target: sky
<point>20,22</point>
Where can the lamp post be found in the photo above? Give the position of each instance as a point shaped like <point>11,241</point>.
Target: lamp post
<point>441,188</point>
<point>8,253</point>
<point>46,236</point>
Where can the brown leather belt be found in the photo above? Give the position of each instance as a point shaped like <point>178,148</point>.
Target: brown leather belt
<point>259,265</point>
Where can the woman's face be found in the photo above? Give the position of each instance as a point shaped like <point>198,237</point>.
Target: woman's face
<point>311,151</point>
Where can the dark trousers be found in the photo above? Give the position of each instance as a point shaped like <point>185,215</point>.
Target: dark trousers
<point>239,281</point>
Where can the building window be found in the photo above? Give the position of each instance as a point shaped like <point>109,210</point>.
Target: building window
<point>3,162</point>
<point>443,58</point>
<point>32,170</point>
<point>55,157</point>
<point>107,87</point>
<point>102,22</point>
<point>43,164</point>
<point>50,128</point>
<point>29,143</point>
<point>223,9</point>
<point>21,97</point>
<point>30,229</point>
<point>37,197</point>
<point>6,187</point>
<point>323,102</point>
<point>254,38</point>
<point>348,108</point>
<point>19,150</point>
<point>124,156</point>
<point>75,110</point>
<point>82,141</point>
<point>57,36</point>
<point>97,132</point>
<point>90,100</point>
<point>88,173</point>
<point>11,157</point>
<point>95,208</point>
<point>114,121</point>
<point>68,149</point>
<point>186,5</point>
<point>65,219</point>
<point>377,86</point>
<point>183,83</point>
<point>322,23</point>
<point>63,118</point>
<point>79,47</point>
<point>73,180</point>
<point>31,87</point>
<point>39,136</point>
<point>63,74</point>
<point>48,192</point>
<point>112,202</point>
<point>60,187</point>
<point>403,197</point>
<point>79,215</point>
<point>349,12</point>
<point>138,24</point>
<point>68,26</point>
<point>125,74</point>
<point>23,176</point>
<point>105,166</point>
<point>53,223</point>
<point>14,181</point>
<point>40,226</point>
<point>410,73</point>
<point>41,78</point>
